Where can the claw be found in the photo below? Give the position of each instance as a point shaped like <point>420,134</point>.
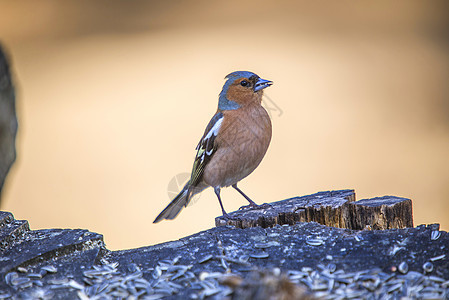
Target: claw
<point>255,206</point>
<point>226,216</point>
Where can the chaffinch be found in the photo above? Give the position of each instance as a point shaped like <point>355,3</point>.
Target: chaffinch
<point>233,144</point>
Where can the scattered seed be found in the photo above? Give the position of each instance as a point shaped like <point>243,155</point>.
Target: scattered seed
<point>435,235</point>
<point>445,284</point>
<point>60,281</point>
<point>38,283</point>
<point>259,255</point>
<point>438,257</point>
<point>315,242</point>
<point>331,267</point>
<point>10,276</point>
<point>224,264</point>
<point>427,267</point>
<point>168,278</point>
<point>403,267</point>
<point>157,272</point>
<point>34,275</point>
<point>244,258</point>
<point>306,269</point>
<point>25,284</point>
<point>155,297</point>
<point>358,238</point>
<point>206,258</point>
<point>436,279</point>
<point>20,280</point>
<point>50,269</point>
<point>394,288</point>
<point>265,245</point>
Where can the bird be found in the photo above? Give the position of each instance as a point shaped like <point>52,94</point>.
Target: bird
<point>233,144</point>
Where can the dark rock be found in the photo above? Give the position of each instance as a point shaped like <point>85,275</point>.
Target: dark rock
<point>8,120</point>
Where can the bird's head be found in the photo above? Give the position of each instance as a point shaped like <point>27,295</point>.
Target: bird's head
<point>242,88</point>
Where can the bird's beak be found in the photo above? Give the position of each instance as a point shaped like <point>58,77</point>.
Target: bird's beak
<point>261,84</point>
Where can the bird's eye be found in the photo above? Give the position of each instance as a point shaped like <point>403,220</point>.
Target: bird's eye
<point>244,83</point>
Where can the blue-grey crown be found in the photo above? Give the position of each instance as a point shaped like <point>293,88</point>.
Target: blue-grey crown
<point>223,102</point>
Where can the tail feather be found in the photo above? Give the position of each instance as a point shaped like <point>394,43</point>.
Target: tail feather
<point>180,201</point>
<point>175,206</point>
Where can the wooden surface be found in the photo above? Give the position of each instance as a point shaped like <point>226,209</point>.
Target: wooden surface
<point>333,208</point>
<point>306,258</point>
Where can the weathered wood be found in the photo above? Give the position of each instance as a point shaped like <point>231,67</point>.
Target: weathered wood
<point>236,263</point>
<point>34,253</point>
<point>381,213</point>
<point>334,208</point>
<point>10,229</point>
<point>326,208</point>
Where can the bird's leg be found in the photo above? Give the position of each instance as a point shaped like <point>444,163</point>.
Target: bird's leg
<point>217,192</point>
<point>252,204</point>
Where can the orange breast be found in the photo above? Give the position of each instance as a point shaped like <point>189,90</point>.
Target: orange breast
<point>242,142</point>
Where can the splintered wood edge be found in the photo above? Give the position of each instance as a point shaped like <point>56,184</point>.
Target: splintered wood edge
<point>341,210</point>
<point>381,213</point>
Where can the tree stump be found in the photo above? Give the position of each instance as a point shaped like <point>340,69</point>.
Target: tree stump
<point>334,208</point>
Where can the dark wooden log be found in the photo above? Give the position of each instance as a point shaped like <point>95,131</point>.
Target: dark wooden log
<point>302,261</point>
<point>10,229</point>
<point>334,208</point>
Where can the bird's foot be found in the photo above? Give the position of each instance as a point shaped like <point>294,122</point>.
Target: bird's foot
<point>265,206</point>
<point>226,216</point>
<point>255,206</point>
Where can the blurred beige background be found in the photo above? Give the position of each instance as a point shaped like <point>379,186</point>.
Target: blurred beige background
<point>113,97</point>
